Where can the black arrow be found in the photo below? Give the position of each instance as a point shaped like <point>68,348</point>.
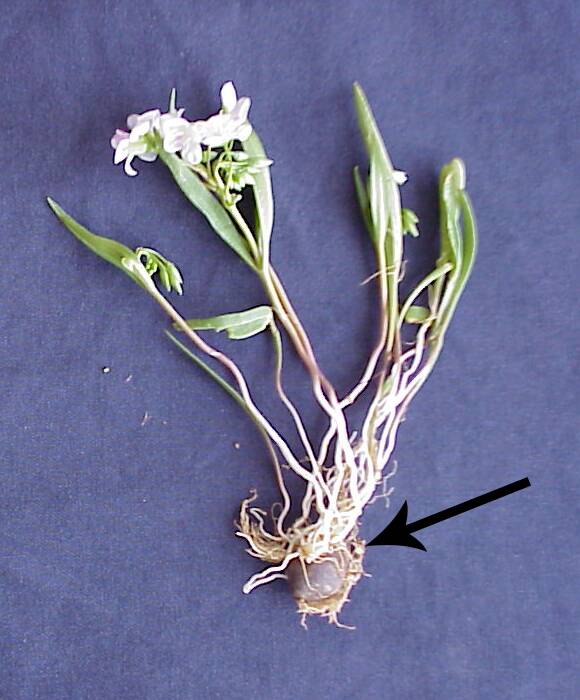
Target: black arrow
<point>398,531</point>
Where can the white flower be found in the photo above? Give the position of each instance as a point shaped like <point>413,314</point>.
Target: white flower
<point>127,145</point>
<point>174,134</point>
<point>181,135</point>
<point>145,122</point>
<point>232,121</point>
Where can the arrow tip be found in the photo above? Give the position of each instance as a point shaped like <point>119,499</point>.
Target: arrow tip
<point>397,532</point>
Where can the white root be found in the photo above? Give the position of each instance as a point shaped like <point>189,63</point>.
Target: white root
<point>348,486</point>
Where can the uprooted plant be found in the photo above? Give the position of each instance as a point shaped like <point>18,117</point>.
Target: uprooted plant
<point>216,162</point>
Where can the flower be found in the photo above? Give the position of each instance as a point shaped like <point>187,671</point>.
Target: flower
<point>127,145</point>
<point>232,121</point>
<point>181,135</point>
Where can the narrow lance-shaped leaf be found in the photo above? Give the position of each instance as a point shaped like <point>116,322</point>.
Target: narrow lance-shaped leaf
<point>110,250</point>
<point>461,241</point>
<point>226,386</point>
<point>451,181</point>
<point>208,205</point>
<point>369,130</point>
<point>238,326</point>
<point>390,208</point>
<point>262,188</point>
<point>127,260</point>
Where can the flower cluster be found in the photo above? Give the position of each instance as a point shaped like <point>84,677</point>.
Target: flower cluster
<point>178,135</point>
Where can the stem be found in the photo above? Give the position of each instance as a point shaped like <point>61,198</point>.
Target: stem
<point>293,412</point>
<point>244,391</point>
<point>239,219</point>
<point>323,389</point>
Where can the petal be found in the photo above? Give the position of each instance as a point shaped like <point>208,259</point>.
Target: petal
<point>198,130</point>
<point>399,177</point>
<point>240,112</point>
<point>151,117</point>
<point>170,125</point>
<point>173,142</point>
<point>129,169</point>
<point>192,152</point>
<point>217,130</point>
<point>243,132</point>
<point>149,156</point>
<point>121,152</point>
<point>117,137</point>
<point>216,140</point>
<point>228,95</point>
<point>140,130</point>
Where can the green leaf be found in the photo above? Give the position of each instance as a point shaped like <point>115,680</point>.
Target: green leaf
<point>196,192</point>
<point>451,182</point>
<point>363,200</point>
<point>417,314</point>
<point>238,326</point>
<point>226,386</point>
<point>458,238</point>
<point>385,212</point>
<point>378,201</point>
<point>370,132</point>
<point>409,222</point>
<point>110,250</point>
<point>262,187</point>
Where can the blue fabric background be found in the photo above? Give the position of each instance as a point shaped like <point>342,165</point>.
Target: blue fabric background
<point>120,576</point>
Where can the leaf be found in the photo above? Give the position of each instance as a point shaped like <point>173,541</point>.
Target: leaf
<point>110,250</point>
<point>458,238</point>
<point>226,386</point>
<point>417,314</point>
<point>370,132</point>
<point>208,205</point>
<point>262,187</point>
<point>451,182</point>
<point>386,213</point>
<point>378,201</point>
<point>238,326</point>
<point>363,200</point>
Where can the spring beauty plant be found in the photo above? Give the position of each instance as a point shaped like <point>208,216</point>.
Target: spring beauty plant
<point>216,163</point>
